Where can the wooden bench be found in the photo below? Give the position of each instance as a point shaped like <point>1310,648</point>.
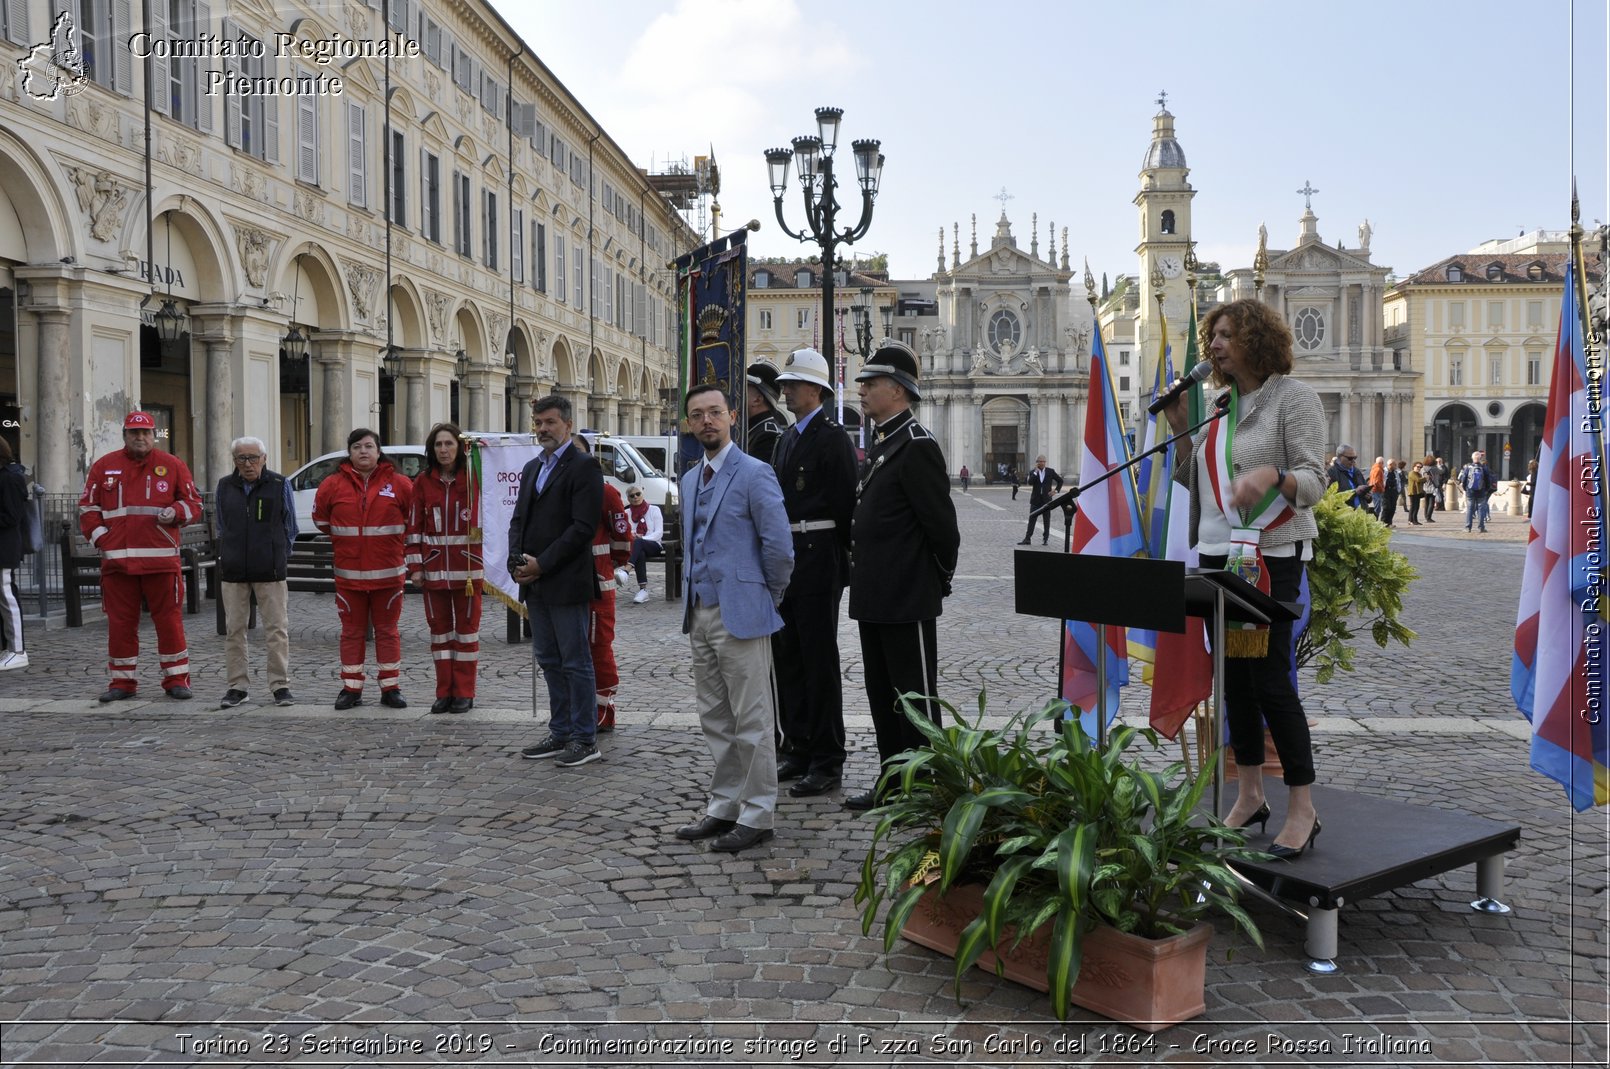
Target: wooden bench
<point>81,567</point>
<point>310,568</point>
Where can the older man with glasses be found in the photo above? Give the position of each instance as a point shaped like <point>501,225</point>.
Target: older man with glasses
<point>648,538</point>
<point>256,525</point>
<point>1345,474</point>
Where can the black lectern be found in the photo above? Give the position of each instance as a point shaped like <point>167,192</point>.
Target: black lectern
<point>1153,594</point>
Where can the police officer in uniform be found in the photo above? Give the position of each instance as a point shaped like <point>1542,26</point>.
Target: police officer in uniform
<point>815,464</point>
<point>766,420</point>
<point>903,552</point>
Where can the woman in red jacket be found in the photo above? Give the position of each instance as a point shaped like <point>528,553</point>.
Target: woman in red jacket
<point>363,507</point>
<point>444,557</point>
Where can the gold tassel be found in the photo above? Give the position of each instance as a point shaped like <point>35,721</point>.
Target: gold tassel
<point>1247,643</point>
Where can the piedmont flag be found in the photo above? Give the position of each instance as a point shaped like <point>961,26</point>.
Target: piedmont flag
<point>1183,675</point>
<point>1154,479</point>
<point>1558,675</point>
<point>1108,524</point>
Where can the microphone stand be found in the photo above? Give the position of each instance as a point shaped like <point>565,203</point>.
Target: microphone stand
<point>1068,500</point>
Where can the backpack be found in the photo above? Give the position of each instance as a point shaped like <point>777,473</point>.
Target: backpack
<point>1475,482</point>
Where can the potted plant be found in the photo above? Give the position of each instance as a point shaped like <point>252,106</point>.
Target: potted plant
<point>1356,583</point>
<point>1071,844</point>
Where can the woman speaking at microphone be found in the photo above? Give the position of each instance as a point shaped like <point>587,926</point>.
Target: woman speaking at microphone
<point>1254,477</point>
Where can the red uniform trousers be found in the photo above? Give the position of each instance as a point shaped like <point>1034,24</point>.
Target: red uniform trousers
<point>454,619</point>
<point>360,610</point>
<point>120,600</point>
<point>606,675</point>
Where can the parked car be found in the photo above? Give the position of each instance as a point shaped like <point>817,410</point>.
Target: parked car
<point>623,466</point>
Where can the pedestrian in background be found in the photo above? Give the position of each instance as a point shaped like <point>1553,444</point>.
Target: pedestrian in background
<point>134,502</point>
<point>363,506</point>
<point>444,559</point>
<point>13,538</point>
<point>966,477</point>
<point>255,523</point>
<point>1415,487</point>
<point>648,534</point>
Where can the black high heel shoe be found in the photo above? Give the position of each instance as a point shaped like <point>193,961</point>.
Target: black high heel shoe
<point>1260,818</point>
<point>1292,853</point>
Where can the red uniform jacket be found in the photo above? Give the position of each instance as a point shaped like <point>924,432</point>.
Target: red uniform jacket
<point>444,533</point>
<point>612,541</point>
<point>118,510</point>
<point>368,524</point>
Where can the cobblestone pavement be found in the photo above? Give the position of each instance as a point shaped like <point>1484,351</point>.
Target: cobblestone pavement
<point>187,886</point>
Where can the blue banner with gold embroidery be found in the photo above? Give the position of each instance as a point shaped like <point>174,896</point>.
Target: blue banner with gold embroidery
<point>710,288</point>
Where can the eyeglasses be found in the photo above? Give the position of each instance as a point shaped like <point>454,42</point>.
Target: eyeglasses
<point>634,497</point>
<point>248,458</point>
<point>1348,456</point>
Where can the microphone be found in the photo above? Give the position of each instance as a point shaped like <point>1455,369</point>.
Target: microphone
<point>1197,374</point>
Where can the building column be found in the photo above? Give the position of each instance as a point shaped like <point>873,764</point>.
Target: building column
<point>472,404</point>
<point>54,467</point>
<point>523,389</point>
<point>220,408</point>
<point>416,405</point>
<point>337,403</point>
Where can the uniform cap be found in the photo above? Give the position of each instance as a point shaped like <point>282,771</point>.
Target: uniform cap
<point>139,421</point>
<point>763,376</point>
<point>894,360</point>
<point>806,365</point>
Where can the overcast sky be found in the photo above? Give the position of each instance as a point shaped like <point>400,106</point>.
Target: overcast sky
<point>1444,124</point>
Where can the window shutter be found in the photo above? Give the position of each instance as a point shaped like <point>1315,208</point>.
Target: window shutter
<point>118,46</point>
<point>307,139</point>
<point>640,309</point>
<point>357,135</point>
<point>17,23</point>
<point>231,101</point>
<point>203,106</point>
<point>161,92</point>
<point>433,41</point>
<point>559,267</point>
<point>517,245</point>
<point>271,113</point>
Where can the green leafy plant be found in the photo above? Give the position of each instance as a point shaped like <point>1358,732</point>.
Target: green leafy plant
<point>1059,830</point>
<point>1356,583</point>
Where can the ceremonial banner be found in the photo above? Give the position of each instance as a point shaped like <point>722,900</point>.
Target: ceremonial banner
<point>1154,484</point>
<point>1558,673</point>
<point>495,465</point>
<point>710,286</point>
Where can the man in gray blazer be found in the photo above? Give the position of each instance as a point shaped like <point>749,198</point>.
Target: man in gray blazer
<point>739,555</point>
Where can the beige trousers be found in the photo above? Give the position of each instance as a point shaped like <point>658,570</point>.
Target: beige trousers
<point>276,632</point>
<point>733,692</point>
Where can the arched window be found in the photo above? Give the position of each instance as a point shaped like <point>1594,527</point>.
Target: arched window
<point>1168,222</point>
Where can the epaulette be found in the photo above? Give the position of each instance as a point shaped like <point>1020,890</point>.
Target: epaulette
<point>918,432</point>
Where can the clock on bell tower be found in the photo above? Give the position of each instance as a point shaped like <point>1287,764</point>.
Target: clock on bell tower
<point>1164,201</point>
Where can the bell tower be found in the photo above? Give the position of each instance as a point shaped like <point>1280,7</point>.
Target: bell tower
<point>1164,201</point>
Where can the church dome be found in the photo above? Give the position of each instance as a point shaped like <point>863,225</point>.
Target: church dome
<point>1164,150</point>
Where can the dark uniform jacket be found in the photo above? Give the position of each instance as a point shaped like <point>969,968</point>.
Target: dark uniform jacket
<point>256,525</point>
<point>761,441</point>
<point>816,470</point>
<point>904,540</point>
<point>556,527</point>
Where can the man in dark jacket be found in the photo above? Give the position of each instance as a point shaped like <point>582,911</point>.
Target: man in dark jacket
<point>1044,482</point>
<point>1345,474</point>
<point>904,544</point>
<point>14,517</point>
<point>555,515</point>
<point>256,525</point>
<point>815,465</point>
<point>766,420</point>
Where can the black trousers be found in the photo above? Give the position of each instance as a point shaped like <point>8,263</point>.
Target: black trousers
<point>899,659</point>
<point>1044,519</point>
<point>810,684</point>
<point>1259,690</point>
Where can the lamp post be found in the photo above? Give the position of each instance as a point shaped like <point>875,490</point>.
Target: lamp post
<point>819,189</point>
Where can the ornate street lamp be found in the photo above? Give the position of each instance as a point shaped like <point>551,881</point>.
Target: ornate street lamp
<point>815,154</point>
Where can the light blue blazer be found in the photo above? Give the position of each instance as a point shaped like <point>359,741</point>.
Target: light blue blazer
<point>747,547</point>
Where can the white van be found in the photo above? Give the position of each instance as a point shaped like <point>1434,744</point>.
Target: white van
<point>623,466</point>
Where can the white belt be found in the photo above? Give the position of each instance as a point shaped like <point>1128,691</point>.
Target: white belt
<point>812,525</point>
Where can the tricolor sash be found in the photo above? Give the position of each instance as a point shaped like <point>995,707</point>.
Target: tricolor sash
<point>1247,528</point>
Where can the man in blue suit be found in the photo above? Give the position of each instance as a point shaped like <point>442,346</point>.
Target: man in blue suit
<point>739,555</point>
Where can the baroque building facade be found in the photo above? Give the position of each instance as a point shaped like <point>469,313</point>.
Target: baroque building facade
<point>1483,325</point>
<point>527,253</point>
<point>1004,361</point>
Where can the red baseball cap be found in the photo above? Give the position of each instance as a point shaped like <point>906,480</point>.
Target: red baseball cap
<point>139,421</point>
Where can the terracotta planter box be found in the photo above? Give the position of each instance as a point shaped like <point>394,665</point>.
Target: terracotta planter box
<point>1148,983</point>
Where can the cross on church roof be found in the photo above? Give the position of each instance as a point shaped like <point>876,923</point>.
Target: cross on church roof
<point>1003,196</point>
<point>1162,99</point>
<point>1308,192</point>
